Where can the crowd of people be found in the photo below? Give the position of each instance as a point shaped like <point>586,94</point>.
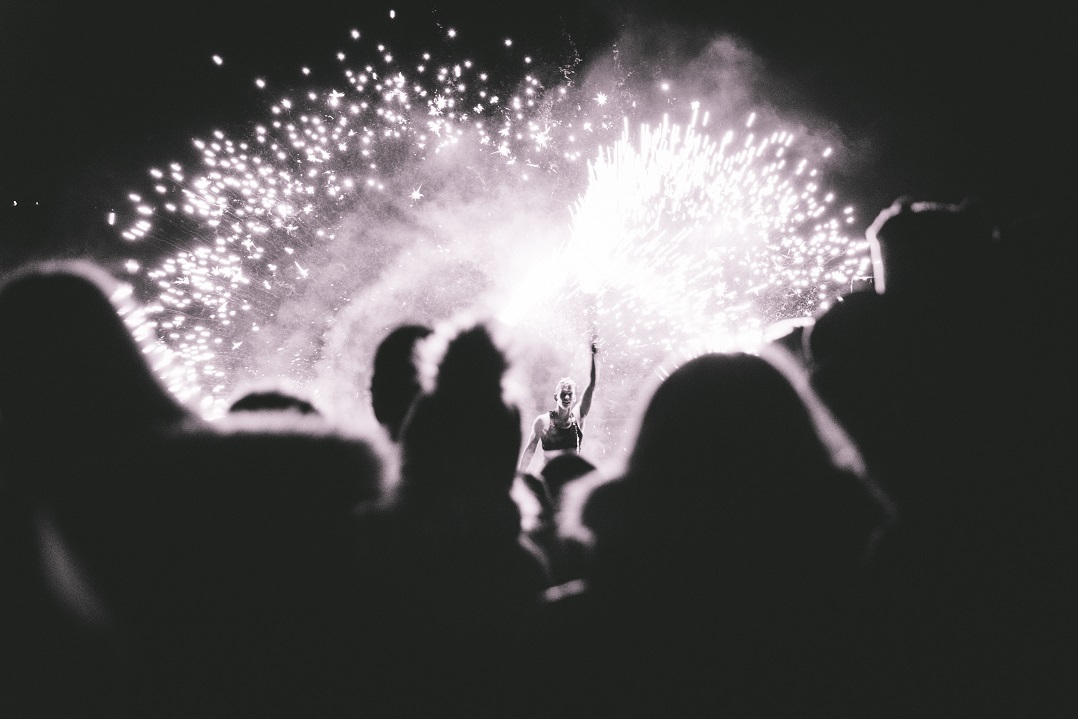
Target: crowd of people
<point>869,516</point>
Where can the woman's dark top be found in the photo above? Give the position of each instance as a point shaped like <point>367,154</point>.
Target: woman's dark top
<point>568,437</point>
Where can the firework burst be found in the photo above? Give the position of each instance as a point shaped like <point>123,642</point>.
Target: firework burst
<point>660,236</point>
<point>702,240</point>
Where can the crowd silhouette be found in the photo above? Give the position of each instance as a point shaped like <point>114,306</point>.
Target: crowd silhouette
<point>871,515</point>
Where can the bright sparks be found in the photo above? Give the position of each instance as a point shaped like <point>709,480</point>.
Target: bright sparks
<point>675,233</point>
<point>685,239</point>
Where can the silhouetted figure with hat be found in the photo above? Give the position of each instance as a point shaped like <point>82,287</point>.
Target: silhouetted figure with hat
<point>931,373</point>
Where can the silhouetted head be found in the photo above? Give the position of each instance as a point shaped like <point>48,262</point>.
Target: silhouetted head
<point>273,400</point>
<point>68,358</point>
<point>564,468</point>
<point>724,414</point>
<point>395,378</point>
<point>849,328</point>
<point>728,467</point>
<point>462,435</point>
<point>928,247</point>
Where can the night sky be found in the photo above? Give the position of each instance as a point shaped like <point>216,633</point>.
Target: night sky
<point>937,103</point>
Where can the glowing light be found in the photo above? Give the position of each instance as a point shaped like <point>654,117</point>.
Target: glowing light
<point>693,238</point>
<point>673,236</point>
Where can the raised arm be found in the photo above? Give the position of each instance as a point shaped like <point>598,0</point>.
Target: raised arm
<point>585,400</point>
<point>529,448</point>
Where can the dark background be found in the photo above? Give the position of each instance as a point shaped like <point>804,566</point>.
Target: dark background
<point>956,102</point>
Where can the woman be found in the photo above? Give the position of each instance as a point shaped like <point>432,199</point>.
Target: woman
<point>561,429</point>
